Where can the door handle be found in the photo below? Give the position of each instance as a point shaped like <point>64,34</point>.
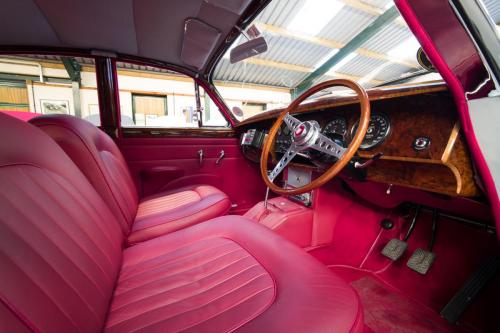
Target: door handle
<point>221,156</point>
<point>200,156</point>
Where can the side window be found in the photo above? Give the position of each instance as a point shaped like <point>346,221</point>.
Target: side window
<point>32,85</point>
<point>154,97</point>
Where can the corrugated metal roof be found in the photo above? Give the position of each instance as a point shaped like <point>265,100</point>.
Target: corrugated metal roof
<point>346,24</point>
<point>280,13</point>
<point>293,51</point>
<point>288,49</point>
<point>256,74</point>
<point>388,38</point>
<point>493,7</point>
<point>378,3</point>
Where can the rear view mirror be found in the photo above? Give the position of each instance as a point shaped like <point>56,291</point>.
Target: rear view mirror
<point>248,49</point>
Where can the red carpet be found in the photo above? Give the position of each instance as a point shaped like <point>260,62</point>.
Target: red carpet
<point>387,311</point>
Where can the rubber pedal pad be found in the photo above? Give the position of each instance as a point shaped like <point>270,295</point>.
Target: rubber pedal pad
<point>421,261</point>
<point>394,249</point>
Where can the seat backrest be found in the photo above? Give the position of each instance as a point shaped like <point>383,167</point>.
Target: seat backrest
<point>96,154</point>
<point>60,245</point>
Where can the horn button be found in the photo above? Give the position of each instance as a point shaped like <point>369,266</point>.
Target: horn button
<point>305,133</point>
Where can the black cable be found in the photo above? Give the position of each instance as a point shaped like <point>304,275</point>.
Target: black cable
<point>435,216</point>
<point>413,222</point>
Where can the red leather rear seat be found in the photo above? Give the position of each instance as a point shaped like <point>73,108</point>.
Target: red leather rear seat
<point>63,267</point>
<point>102,162</point>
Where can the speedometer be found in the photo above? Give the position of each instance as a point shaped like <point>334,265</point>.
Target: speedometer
<point>378,130</point>
<point>335,129</point>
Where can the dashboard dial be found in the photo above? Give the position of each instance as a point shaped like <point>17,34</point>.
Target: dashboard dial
<point>336,128</point>
<point>378,130</point>
<point>283,139</point>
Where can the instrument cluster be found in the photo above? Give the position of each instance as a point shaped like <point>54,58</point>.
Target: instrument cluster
<point>338,130</point>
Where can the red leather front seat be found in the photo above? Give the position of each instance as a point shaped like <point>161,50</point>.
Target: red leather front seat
<point>63,267</point>
<point>101,161</point>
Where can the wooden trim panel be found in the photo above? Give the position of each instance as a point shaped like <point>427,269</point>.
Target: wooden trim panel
<point>374,94</point>
<point>216,132</point>
<point>445,167</point>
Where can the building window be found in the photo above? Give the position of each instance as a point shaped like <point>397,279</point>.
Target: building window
<point>160,98</point>
<point>49,84</point>
<point>148,109</point>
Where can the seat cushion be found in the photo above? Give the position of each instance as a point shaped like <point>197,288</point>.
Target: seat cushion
<point>60,245</point>
<point>169,211</point>
<point>226,274</point>
<point>100,160</point>
<point>98,157</point>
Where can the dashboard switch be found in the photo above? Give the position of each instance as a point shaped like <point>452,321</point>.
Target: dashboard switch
<point>421,143</point>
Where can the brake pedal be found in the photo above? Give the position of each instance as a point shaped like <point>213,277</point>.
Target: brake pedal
<point>422,260</point>
<point>395,248</point>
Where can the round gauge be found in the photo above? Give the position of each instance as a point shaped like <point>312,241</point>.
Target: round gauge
<point>283,139</point>
<point>378,130</point>
<point>335,129</point>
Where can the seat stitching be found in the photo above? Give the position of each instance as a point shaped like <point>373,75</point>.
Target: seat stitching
<point>158,307</point>
<point>91,154</point>
<point>211,301</point>
<point>170,262</point>
<point>56,224</point>
<point>144,263</point>
<point>95,215</point>
<point>40,288</point>
<point>193,282</point>
<point>183,217</point>
<point>176,273</point>
<point>233,306</point>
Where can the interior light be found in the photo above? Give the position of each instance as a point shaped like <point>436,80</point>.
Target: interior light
<point>314,16</point>
<point>342,62</point>
<point>405,50</point>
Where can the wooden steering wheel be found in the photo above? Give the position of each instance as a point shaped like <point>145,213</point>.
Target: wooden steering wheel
<point>307,135</point>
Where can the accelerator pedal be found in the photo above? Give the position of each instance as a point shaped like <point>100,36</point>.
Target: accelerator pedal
<point>422,260</point>
<point>465,296</point>
<point>395,248</point>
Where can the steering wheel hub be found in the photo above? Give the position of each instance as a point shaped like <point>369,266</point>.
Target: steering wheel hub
<point>305,133</point>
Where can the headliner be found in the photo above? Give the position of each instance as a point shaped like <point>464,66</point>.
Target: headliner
<point>147,28</point>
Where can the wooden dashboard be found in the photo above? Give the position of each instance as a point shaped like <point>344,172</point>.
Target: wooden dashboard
<point>444,166</point>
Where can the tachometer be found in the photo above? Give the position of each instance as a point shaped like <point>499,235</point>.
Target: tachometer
<point>377,131</point>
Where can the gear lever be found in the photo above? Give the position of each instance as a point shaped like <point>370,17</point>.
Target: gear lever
<point>266,198</point>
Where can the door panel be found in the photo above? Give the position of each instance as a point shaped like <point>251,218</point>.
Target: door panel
<point>166,163</point>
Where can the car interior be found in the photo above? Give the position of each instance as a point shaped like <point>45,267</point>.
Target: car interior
<point>249,166</point>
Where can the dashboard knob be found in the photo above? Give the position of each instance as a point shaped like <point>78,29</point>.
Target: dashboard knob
<point>421,143</point>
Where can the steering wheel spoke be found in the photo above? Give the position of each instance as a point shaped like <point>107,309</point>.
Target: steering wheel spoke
<point>328,146</point>
<point>291,122</point>
<point>283,162</point>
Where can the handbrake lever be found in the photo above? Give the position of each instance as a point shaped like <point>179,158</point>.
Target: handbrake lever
<point>366,164</point>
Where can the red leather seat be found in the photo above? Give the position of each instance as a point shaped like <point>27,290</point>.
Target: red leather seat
<point>63,267</point>
<point>101,161</point>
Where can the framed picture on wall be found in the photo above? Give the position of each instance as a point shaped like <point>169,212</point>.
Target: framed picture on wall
<point>54,106</point>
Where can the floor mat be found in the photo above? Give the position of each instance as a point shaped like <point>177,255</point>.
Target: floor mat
<point>386,310</point>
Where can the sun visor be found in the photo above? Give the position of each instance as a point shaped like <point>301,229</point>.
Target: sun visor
<point>199,41</point>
